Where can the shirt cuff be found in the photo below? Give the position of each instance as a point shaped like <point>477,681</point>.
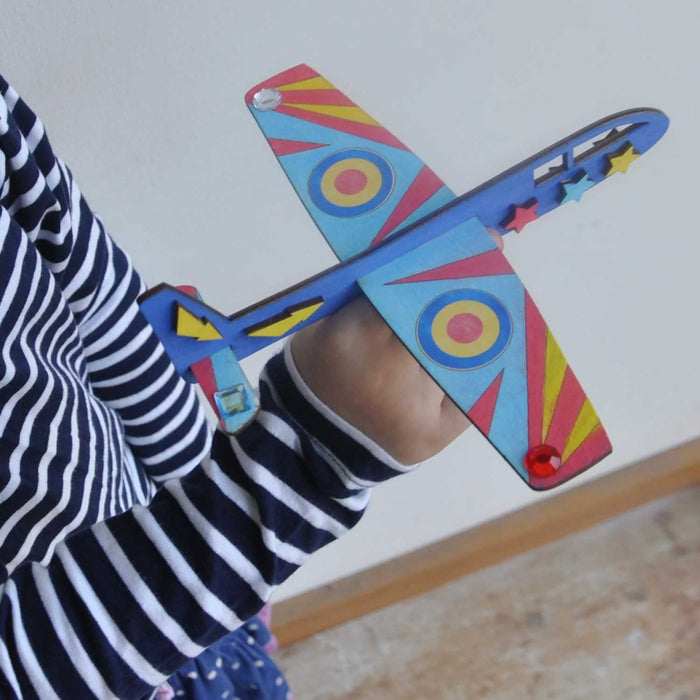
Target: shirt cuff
<point>357,459</point>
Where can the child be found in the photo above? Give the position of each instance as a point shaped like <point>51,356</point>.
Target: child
<point>131,540</point>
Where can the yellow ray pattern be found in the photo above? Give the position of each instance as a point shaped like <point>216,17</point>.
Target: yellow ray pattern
<point>318,83</point>
<point>353,114</point>
<point>555,368</point>
<point>586,422</point>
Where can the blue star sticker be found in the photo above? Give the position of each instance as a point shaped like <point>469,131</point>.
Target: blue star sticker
<point>574,189</point>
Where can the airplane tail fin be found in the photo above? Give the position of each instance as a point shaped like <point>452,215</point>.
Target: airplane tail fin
<point>193,335</point>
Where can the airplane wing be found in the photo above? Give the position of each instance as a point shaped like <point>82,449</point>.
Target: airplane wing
<point>454,301</point>
<point>459,307</point>
<point>357,180</point>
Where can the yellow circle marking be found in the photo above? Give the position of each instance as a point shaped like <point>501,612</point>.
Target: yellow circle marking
<point>489,334</point>
<point>369,170</point>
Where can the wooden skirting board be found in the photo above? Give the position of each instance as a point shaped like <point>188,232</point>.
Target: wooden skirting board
<point>487,544</point>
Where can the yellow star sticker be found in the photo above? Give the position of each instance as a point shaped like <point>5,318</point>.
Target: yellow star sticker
<point>621,162</point>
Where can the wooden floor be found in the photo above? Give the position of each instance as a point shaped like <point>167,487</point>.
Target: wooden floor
<point>611,612</point>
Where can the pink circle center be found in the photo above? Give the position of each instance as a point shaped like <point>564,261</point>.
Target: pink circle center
<point>351,181</point>
<point>465,328</point>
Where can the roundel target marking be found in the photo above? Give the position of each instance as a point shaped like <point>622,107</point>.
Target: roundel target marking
<point>351,182</point>
<point>464,329</point>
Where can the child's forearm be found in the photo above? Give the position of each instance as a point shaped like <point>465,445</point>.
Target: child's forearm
<point>124,603</point>
<point>93,416</point>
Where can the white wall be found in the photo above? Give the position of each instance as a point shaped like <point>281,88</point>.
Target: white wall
<point>145,102</point>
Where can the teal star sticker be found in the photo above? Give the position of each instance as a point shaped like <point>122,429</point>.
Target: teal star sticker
<point>574,189</point>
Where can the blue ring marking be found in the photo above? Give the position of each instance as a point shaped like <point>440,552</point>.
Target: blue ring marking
<point>319,199</point>
<point>439,356</point>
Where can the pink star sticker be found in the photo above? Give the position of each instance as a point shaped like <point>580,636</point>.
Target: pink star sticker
<point>522,215</point>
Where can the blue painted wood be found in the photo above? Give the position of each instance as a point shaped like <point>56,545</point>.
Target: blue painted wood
<point>438,230</point>
<point>464,379</point>
<point>490,202</point>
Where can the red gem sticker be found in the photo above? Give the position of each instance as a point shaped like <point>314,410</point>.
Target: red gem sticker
<point>542,461</point>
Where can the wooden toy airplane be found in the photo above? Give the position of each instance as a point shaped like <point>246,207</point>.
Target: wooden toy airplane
<point>425,260</point>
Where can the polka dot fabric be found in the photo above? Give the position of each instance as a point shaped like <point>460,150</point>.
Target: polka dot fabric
<point>237,667</point>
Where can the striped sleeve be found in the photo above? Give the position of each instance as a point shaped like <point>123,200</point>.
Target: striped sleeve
<point>129,539</point>
<point>126,366</point>
<point>122,604</point>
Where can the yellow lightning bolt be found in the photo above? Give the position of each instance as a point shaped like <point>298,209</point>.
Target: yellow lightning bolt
<point>192,326</point>
<point>276,327</point>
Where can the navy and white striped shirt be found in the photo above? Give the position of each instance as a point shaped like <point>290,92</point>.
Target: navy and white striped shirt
<point>130,540</point>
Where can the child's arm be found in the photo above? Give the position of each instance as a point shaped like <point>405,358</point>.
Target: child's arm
<point>92,415</point>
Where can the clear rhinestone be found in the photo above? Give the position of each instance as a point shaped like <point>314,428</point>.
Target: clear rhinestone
<point>267,99</point>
